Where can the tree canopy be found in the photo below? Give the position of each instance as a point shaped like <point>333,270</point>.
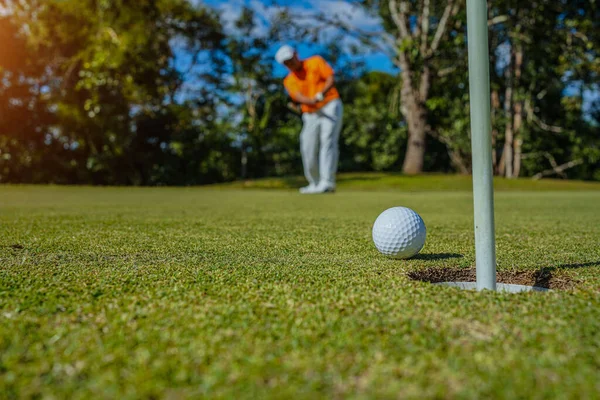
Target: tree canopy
<point>169,92</point>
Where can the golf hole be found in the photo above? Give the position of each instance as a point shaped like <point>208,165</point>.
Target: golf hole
<point>541,280</point>
<point>500,287</point>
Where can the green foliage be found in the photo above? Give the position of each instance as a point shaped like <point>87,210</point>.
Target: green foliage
<point>560,52</point>
<point>266,131</point>
<point>372,130</point>
<point>101,68</point>
<point>156,93</point>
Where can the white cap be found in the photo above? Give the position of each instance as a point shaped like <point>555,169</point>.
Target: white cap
<point>284,53</point>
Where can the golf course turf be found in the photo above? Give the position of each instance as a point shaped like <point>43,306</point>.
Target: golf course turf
<point>251,290</point>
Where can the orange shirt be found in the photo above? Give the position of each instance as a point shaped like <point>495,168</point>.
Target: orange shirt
<point>309,81</point>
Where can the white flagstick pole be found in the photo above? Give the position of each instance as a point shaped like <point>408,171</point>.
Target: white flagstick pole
<point>481,143</point>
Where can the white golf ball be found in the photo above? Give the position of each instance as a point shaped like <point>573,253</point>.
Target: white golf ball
<point>399,232</point>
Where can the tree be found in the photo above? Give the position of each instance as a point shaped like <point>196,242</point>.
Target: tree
<point>416,35</point>
<point>266,131</point>
<point>253,89</point>
<point>372,129</point>
<point>102,68</point>
<point>539,50</point>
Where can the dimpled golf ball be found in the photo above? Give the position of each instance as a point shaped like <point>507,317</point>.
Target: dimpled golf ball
<point>399,232</point>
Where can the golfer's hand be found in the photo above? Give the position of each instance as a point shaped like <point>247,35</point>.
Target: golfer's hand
<point>294,107</point>
<point>319,97</point>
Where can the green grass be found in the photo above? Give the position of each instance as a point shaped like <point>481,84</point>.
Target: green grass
<point>234,293</point>
<point>429,182</point>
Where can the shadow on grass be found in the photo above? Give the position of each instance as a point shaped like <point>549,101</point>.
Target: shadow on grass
<point>545,277</point>
<point>436,256</point>
<point>582,265</point>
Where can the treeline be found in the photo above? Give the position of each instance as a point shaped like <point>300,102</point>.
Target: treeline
<point>167,92</point>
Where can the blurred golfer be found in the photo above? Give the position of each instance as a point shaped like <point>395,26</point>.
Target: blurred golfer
<point>311,84</point>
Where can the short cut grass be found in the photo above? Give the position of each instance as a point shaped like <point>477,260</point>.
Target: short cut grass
<point>228,292</point>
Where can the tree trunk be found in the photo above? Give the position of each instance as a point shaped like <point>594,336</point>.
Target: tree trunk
<point>506,161</point>
<point>254,140</point>
<point>414,112</point>
<point>458,162</point>
<point>517,142</point>
<point>244,162</point>
<point>517,163</point>
<point>518,114</point>
<point>415,149</point>
<point>495,106</point>
<point>413,94</point>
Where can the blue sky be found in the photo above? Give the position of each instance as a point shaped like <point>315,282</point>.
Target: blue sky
<point>230,10</point>
<point>356,16</point>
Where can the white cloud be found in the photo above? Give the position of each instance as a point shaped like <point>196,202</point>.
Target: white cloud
<point>6,9</point>
<point>352,15</point>
<point>231,10</point>
<point>355,15</point>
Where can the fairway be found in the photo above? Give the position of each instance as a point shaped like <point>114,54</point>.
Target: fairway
<point>228,292</point>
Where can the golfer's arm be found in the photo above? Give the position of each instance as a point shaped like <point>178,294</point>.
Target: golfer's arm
<point>302,99</point>
<point>328,84</point>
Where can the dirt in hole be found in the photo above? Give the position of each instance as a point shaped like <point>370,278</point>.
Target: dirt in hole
<point>544,277</point>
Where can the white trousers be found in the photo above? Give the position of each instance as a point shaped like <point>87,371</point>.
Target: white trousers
<point>319,143</point>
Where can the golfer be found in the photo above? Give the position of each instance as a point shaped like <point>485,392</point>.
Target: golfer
<point>311,84</point>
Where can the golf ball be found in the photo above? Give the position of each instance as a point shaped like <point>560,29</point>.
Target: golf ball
<point>399,232</point>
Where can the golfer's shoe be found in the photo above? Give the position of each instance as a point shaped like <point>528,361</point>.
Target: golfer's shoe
<point>310,189</point>
<point>318,189</point>
<point>325,189</point>
<point>322,188</point>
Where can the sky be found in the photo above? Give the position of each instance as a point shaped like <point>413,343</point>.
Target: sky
<point>357,17</point>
